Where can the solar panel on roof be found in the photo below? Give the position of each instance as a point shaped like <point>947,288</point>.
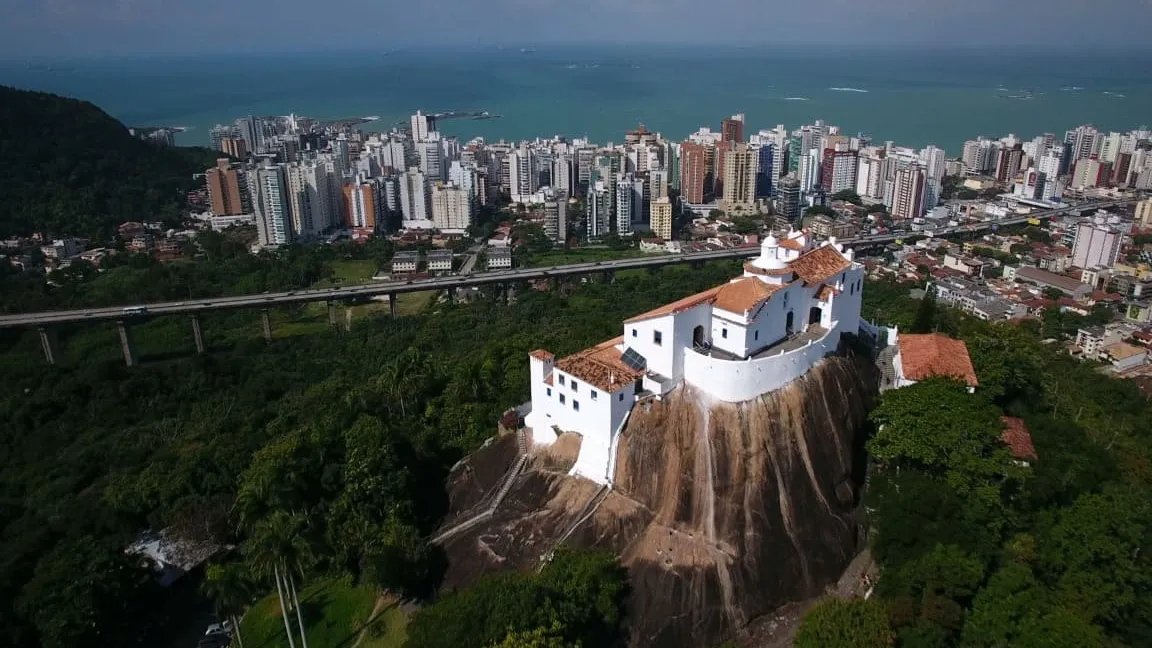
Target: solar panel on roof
<point>634,360</point>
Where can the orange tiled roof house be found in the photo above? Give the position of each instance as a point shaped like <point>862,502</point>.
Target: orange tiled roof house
<point>750,336</point>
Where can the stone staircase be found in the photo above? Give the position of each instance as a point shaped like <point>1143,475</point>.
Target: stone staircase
<point>505,486</point>
<point>583,516</point>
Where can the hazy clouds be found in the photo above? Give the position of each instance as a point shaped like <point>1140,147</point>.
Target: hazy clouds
<point>77,27</point>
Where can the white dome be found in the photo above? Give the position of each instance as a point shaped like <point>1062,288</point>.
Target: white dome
<point>769,255</point>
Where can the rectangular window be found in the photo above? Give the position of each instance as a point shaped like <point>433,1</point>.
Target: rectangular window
<point>593,393</point>
<point>561,380</point>
<point>573,385</point>
<point>633,332</point>
<point>657,337</point>
<point>549,390</point>
<point>575,404</point>
<point>561,399</point>
<point>724,333</point>
<point>756,335</point>
<point>621,397</point>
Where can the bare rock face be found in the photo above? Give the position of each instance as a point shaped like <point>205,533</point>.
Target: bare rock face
<point>721,512</point>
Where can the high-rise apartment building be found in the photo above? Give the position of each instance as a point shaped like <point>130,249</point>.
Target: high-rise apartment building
<point>660,218</point>
<point>1008,161</point>
<point>870,174</point>
<point>233,146</point>
<point>228,189</point>
<point>933,159</point>
<point>1097,243</point>
<point>598,211</point>
<point>838,169</point>
<point>523,174</point>
<point>788,198</point>
<point>1084,142</point>
<point>1090,172</point>
<point>563,173</point>
<point>908,193</point>
<point>556,215</point>
<point>273,208</point>
<point>629,202</point>
<point>809,170</point>
<point>431,160</point>
<point>420,125</point>
<point>414,195</point>
<point>732,128</point>
<point>451,208</point>
<point>219,133</point>
<point>657,184</point>
<point>311,185</point>
<point>251,130</point>
<point>693,172</point>
<point>364,205</point>
<point>741,166</point>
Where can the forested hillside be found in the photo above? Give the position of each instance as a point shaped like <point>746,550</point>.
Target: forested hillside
<point>67,168</point>
<point>337,442</point>
<point>977,550</point>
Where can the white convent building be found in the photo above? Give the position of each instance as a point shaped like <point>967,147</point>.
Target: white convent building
<point>734,342</point>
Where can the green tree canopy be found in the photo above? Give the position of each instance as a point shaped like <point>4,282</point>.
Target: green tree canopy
<point>936,425</point>
<point>838,623</point>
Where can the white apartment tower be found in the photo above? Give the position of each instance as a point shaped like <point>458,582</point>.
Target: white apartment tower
<point>908,193</point>
<point>274,207</point>
<point>414,199</point>
<point>451,208</point>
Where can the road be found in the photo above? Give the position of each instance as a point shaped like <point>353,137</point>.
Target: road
<point>341,294</point>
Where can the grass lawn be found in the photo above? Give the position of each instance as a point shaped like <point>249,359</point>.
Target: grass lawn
<point>334,612</point>
<point>349,272</point>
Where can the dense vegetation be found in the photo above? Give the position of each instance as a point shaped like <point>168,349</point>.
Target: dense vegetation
<point>67,168</point>
<point>321,455</point>
<point>977,550</point>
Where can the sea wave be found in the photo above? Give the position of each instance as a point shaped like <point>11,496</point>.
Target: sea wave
<point>795,98</point>
<point>847,90</point>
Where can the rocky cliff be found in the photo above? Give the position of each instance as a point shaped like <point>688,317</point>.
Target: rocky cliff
<point>721,512</point>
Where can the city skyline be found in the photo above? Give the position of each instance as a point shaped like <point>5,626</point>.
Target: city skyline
<point>102,27</point>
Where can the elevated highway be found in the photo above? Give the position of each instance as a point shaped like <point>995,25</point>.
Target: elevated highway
<point>196,307</point>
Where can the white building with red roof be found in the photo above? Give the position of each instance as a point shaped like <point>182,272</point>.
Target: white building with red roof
<point>735,342</point>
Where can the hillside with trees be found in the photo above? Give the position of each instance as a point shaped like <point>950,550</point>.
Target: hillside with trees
<point>68,168</point>
<point>979,550</point>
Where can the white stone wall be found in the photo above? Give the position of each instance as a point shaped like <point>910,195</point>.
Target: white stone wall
<point>743,380</point>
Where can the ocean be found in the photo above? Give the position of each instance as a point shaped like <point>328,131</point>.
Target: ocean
<point>913,98</point>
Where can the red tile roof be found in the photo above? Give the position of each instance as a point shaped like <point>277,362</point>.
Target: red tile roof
<point>743,295</point>
<point>677,306</point>
<point>816,266</point>
<point>541,354</point>
<point>924,356</point>
<point>1017,438</point>
<point>600,366</point>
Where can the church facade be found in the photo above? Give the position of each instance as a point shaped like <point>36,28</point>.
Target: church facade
<point>734,342</point>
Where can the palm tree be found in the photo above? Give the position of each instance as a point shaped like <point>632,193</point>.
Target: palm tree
<point>231,591</point>
<point>278,548</point>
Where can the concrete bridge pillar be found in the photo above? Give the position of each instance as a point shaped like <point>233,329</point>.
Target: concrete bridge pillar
<point>392,304</point>
<point>609,275</point>
<point>266,325</point>
<point>50,343</point>
<point>451,292</point>
<point>126,344</point>
<point>332,314</point>
<point>198,334</point>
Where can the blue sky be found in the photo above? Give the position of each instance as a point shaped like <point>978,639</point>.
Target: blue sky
<point>76,28</point>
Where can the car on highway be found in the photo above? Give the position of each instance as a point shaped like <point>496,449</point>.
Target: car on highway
<point>135,310</point>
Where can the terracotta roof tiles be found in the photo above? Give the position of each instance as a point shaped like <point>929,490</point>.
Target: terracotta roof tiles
<point>1017,438</point>
<point>925,356</point>
<point>541,354</point>
<point>816,266</point>
<point>744,295</point>
<point>677,306</point>
<point>600,366</point>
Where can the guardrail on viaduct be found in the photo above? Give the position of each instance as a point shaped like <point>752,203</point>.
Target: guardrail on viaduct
<point>46,321</point>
